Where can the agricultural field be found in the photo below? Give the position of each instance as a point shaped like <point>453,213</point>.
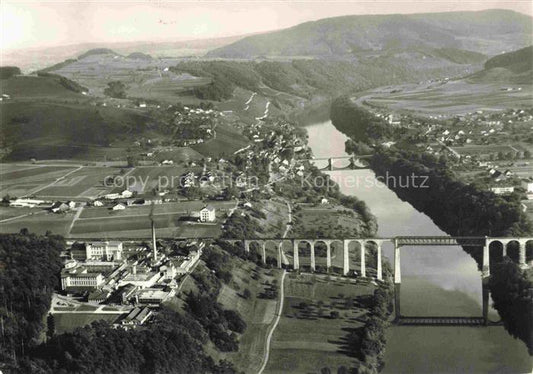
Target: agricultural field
<point>177,154</point>
<point>39,223</point>
<point>148,79</point>
<point>226,142</point>
<point>448,99</point>
<point>479,150</point>
<point>335,221</point>
<point>171,220</point>
<point>68,322</point>
<point>85,183</point>
<point>309,336</point>
<point>21,179</point>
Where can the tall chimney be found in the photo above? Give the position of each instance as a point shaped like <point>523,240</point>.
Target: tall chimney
<point>154,245</point>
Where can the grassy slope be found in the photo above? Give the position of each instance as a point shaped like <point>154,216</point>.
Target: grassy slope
<point>46,120</point>
<point>303,344</point>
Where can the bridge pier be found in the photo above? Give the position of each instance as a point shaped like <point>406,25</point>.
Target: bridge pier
<point>330,164</point>
<point>363,258</point>
<point>397,280</point>
<point>379,274</point>
<point>328,256</point>
<point>485,307</point>
<point>345,257</point>
<point>313,262</point>
<point>486,261</point>
<point>522,254</point>
<point>246,246</point>
<point>264,256</point>
<point>296,264</point>
<point>280,248</point>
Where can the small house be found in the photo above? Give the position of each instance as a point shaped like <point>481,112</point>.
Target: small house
<point>119,206</point>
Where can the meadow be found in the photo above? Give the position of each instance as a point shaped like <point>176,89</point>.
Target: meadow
<point>448,99</point>
<point>307,338</point>
<point>257,312</point>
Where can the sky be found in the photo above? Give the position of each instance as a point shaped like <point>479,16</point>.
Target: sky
<point>35,24</point>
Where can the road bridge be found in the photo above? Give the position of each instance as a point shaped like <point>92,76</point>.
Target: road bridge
<point>356,162</point>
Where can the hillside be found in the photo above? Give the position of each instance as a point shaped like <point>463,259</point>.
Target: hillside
<point>513,68</point>
<point>38,58</point>
<point>49,85</point>
<point>519,61</point>
<point>98,51</point>
<point>488,32</point>
<point>47,117</point>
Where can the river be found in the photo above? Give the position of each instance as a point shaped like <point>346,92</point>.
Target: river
<point>438,281</point>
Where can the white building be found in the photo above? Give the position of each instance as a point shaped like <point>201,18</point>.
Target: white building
<point>29,203</point>
<point>119,207</point>
<point>127,194</point>
<point>502,190</point>
<point>154,296</point>
<point>111,250</point>
<point>76,276</point>
<point>207,214</point>
<point>527,184</point>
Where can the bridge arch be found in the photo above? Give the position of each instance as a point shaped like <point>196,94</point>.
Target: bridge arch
<point>284,246</point>
<point>321,249</point>
<point>497,251</point>
<point>512,247</point>
<point>529,251</point>
<point>273,246</point>
<point>377,265</point>
<point>296,250</point>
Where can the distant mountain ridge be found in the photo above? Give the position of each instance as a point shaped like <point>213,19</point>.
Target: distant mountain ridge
<point>488,32</point>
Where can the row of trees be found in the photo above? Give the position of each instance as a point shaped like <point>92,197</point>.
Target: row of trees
<point>362,125</point>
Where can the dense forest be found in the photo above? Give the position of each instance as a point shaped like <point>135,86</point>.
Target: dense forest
<point>463,210</point>
<point>171,344</point>
<point>29,272</point>
<point>358,122</point>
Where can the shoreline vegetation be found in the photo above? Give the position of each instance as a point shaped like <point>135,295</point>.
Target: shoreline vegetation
<point>455,207</point>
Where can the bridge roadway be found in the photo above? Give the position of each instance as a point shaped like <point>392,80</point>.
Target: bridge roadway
<point>441,321</point>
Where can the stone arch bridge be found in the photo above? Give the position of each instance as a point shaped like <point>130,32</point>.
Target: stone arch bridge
<point>356,162</point>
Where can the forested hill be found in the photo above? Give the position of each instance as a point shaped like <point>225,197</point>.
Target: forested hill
<point>518,61</point>
<point>508,68</point>
<point>489,32</point>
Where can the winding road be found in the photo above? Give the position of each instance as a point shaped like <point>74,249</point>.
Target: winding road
<point>276,321</point>
<point>281,299</point>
